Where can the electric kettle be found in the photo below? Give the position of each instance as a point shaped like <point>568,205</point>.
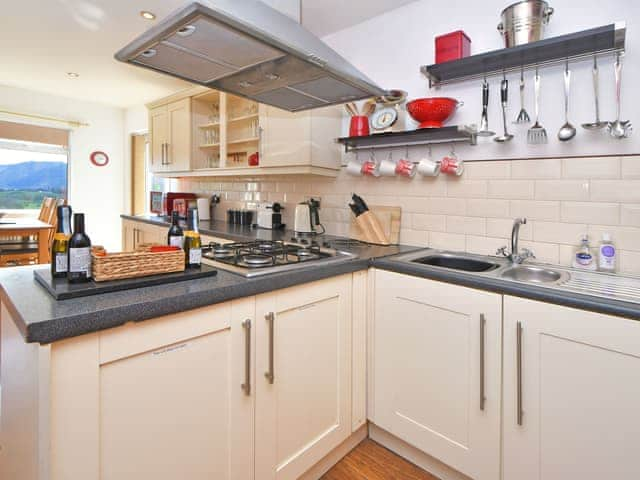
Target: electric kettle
<point>307,217</point>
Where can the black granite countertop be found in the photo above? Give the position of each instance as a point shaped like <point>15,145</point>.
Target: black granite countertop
<point>42,319</point>
<point>557,296</point>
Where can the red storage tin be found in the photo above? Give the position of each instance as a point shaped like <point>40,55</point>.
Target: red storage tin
<point>452,46</point>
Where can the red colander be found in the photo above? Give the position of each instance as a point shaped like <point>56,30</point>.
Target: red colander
<point>432,112</point>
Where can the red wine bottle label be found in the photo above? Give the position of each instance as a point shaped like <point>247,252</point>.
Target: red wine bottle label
<point>176,241</point>
<point>80,260</point>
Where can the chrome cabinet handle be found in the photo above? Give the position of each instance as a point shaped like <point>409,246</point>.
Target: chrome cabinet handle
<point>520,413</point>
<point>270,374</point>
<point>168,156</point>
<point>483,324</point>
<point>246,386</point>
<point>162,161</point>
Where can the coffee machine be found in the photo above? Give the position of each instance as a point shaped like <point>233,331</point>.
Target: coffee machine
<point>269,216</point>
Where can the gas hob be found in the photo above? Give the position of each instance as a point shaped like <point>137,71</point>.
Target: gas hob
<point>262,257</point>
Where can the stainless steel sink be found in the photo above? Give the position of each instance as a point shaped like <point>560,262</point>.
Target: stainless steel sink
<point>457,262</point>
<point>534,274</point>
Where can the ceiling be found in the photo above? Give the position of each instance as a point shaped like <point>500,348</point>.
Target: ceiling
<point>46,39</point>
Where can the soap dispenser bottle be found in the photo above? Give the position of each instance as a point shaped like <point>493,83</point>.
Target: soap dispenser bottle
<point>583,259</point>
<point>607,254</point>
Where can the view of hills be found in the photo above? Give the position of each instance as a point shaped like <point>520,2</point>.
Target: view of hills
<point>24,185</point>
<point>50,176</point>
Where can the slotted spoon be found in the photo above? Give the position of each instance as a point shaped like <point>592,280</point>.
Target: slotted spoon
<point>537,134</point>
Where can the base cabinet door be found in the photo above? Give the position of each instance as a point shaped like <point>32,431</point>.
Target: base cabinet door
<point>161,400</point>
<point>436,363</point>
<point>571,393</point>
<point>303,376</point>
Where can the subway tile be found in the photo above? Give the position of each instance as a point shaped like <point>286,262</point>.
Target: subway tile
<point>447,241</point>
<point>535,210</point>
<point>484,245</point>
<point>424,186</point>
<point>511,189</point>
<point>483,207</point>
<point>501,227</point>
<point>630,167</point>
<point>487,170</point>
<point>446,206</point>
<point>598,167</point>
<point>544,252</point>
<point>428,222</point>
<point>534,169</point>
<point>554,232</point>
<point>466,225</point>
<point>629,262</point>
<point>412,204</point>
<point>562,190</point>
<point>459,188</point>
<point>623,191</point>
<point>591,213</point>
<point>567,253</point>
<point>414,237</point>
<point>625,238</point>
<point>630,215</point>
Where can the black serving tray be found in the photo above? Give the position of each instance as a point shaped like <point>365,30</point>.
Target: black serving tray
<point>60,289</point>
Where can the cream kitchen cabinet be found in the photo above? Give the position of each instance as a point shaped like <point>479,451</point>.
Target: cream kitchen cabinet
<point>170,127</point>
<point>138,233</point>
<point>571,393</point>
<point>164,399</point>
<point>436,360</point>
<point>303,376</point>
<point>301,139</point>
<point>203,132</point>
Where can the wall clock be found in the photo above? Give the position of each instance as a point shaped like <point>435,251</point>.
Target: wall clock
<point>99,159</point>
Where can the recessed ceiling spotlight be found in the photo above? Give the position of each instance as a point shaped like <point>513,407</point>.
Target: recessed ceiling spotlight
<point>147,15</point>
<point>73,74</point>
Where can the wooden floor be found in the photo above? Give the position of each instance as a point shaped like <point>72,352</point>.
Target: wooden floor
<point>371,461</point>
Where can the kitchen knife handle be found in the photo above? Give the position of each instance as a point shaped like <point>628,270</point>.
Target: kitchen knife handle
<point>246,386</point>
<point>270,374</point>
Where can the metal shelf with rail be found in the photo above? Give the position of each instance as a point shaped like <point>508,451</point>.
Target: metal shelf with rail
<point>423,136</point>
<point>609,39</point>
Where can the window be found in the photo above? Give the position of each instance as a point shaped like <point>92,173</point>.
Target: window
<point>30,171</point>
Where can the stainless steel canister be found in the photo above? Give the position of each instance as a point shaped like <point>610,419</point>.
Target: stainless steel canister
<point>524,22</point>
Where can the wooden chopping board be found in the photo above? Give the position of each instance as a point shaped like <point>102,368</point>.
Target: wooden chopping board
<point>389,218</point>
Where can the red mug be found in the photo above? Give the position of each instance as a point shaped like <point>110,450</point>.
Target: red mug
<point>359,126</point>
<point>451,165</point>
<point>254,159</point>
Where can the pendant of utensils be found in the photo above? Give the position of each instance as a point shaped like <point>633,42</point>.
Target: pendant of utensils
<point>537,134</point>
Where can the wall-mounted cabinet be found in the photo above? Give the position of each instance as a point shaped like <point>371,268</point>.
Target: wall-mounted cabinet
<point>206,133</point>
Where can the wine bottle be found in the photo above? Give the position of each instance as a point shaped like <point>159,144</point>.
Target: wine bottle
<point>192,244</point>
<point>175,237</point>
<point>79,268</point>
<point>60,245</point>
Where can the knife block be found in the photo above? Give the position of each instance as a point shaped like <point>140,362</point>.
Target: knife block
<point>371,229</point>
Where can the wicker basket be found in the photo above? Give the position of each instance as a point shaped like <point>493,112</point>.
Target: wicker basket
<point>141,263</point>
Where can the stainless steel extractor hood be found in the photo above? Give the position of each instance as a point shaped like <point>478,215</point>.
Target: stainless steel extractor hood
<point>249,49</point>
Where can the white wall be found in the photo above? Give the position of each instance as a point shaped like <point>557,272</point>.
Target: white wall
<point>391,48</point>
<point>96,191</point>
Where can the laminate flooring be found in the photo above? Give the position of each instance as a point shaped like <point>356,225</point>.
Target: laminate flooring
<point>371,461</point>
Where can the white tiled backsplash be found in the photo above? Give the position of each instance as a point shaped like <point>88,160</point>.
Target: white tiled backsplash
<point>561,198</point>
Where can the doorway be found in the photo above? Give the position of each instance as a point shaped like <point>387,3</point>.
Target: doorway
<point>139,174</point>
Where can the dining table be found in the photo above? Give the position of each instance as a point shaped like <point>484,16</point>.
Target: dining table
<point>28,227</point>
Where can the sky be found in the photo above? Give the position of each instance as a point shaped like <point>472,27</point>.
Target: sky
<point>9,156</point>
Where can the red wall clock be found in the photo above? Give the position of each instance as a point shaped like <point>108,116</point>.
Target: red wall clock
<point>99,159</point>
